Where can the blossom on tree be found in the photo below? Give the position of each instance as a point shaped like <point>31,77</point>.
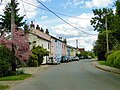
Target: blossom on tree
<point>20,42</point>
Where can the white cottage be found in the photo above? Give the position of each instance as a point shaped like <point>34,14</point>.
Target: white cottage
<point>39,38</point>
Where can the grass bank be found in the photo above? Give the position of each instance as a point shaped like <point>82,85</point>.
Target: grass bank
<point>15,78</point>
<point>103,63</point>
<point>3,87</point>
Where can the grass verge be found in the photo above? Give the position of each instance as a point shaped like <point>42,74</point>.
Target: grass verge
<point>15,78</point>
<point>3,87</point>
<point>102,62</point>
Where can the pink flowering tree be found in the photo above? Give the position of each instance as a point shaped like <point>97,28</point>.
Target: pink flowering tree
<point>19,45</point>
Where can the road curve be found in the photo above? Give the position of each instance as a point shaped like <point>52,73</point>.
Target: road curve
<point>78,75</point>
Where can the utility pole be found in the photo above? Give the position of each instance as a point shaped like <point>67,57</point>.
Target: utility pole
<point>107,35</point>
<point>76,43</point>
<point>12,33</point>
<point>12,17</point>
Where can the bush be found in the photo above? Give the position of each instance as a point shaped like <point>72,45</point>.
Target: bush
<point>33,61</point>
<point>114,59</point>
<point>5,61</point>
<point>117,60</point>
<point>40,52</point>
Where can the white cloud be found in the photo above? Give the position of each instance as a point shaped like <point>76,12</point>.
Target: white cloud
<point>73,3</point>
<point>31,11</point>
<point>83,24</point>
<point>98,3</point>
<point>83,42</point>
<point>72,34</point>
<point>44,17</point>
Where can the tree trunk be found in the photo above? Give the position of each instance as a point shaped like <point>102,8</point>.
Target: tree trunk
<point>13,59</point>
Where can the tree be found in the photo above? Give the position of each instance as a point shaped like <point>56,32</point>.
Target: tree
<point>19,46</point>
<point>6,18</point>
<point>116,22</point>
<point>100,45</point>
<point>117,4</point>
<point>98,21</point>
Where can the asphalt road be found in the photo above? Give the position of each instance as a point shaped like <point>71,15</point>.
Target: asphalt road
<point>78,75</point>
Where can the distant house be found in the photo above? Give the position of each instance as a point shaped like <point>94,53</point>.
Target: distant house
<point>81,49</point>
<point>39,38</point>
<point>71,51</point>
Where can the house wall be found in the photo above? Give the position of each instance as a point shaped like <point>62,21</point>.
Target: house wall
<point>64,49</point>
<point>59,49</point>
<point>53,48</point>
<point>56,48</point>
<point>71,51</point>
<point>40,41</point>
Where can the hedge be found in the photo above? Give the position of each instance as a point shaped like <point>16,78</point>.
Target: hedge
<point>114,59</point>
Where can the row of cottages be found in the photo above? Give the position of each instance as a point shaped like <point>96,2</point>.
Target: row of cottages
<point>56,47</point>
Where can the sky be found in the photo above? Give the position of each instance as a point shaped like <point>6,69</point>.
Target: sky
<point>77,13</point>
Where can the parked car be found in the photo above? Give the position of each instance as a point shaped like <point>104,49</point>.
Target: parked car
<point>64,59</point>
<point>75,58</point>
<point>69,58</point>
<point>89,57</point>
<point>53,60</point>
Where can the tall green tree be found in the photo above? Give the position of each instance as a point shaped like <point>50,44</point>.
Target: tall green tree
<point>116,22</point>
<point>5,20</point>
<point>100,45</point>
<point>98,21</point>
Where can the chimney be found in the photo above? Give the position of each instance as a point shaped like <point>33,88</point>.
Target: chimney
<point>47,32</point>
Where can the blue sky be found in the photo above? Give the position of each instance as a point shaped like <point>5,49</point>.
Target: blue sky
<point>81,9</point>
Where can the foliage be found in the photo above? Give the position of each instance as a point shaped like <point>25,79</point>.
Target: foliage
<point>86,54</point>
<point>40,52</point>
<point>33,61</point>
<point>19,45</point>
<point>100,45</point>
<point>98,21</point>
<point>114,59</point>
<point>26,28</point>
<point>117,4</point>
<point>102,62</point>
<point>16,77</point>
<point>113,22</point>
<point>91,54</point>
<point>5,61</point>
<point>6,18</point>
<point>3,87</point>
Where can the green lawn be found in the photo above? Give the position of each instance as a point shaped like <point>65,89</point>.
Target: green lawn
<point>14,78</point>
<point>3,87</point>
<point>102,62</point>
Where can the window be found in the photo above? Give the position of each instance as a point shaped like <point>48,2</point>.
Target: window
<point>48,46</point>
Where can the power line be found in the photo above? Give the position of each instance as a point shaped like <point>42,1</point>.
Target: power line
<point>56,12</point>
<point>63,19</point>
<point>24,9</point>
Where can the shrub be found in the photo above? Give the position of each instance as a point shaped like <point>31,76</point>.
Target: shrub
<point>114,59</point>
<point>5,61</point>
<point>40,52</point>
<point>117,60</point>
<point>33,61</point>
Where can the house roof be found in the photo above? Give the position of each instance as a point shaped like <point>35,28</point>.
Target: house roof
<point>70,46</point>
<point>39,36</point>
